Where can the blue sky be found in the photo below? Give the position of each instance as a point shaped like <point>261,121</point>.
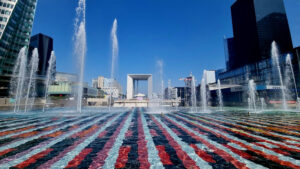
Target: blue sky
<point>186,34</point>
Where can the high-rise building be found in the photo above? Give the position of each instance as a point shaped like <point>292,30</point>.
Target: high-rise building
<point>44,44</point>
<point>16,21</point>
<point>297,56</point>
<point>256,24</point>
<point>296,62</point>
<point>230,52</point>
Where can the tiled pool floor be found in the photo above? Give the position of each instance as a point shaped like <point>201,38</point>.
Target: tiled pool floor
<point>139,140</point>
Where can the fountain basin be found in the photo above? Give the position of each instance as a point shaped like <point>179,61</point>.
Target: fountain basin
<point>132,138</point>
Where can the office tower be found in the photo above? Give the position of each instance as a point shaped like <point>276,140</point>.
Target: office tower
<point>256,24</point>
<point>44,44</point>
<point>16,21</point>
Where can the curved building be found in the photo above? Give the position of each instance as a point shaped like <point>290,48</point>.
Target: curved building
<point>16,21</point>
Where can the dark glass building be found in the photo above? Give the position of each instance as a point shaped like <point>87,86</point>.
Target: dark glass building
<point>296,63</point>
<point>256,24</point>
<point>44,44</point>
<point>230,52</point>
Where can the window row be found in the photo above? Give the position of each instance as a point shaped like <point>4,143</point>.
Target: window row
<point>4,19</point>
<point>7,5</point>
<point>6,12</point>
<point>2,26</point>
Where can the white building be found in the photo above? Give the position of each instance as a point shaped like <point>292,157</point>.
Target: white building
<point>108,86</point>
<point>66,85</point>
<point>95,83</point>
<point>210,76</point>
<point>171,93</point>
<point>115,92</point>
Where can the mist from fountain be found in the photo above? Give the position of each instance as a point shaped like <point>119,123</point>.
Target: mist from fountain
<point>169,90</point>
<point>31,88</point>
<point>290,81</point>
<point>263,104</point>
<point>252,95</point>
<point>18,79</point>
<point>298,103</point>
<point>249,103</point>
<point>50,71</point>
<point>80,47</point>
<point>204,101</point>
<point>193,95</point>
<point>220,96</point>
<point>276,67</point>
<point>156,103</point>
<point>160,65</point>
<point>114,57</point>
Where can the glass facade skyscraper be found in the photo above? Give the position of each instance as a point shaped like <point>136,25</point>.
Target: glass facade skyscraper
<point>230,52</point>
<point>44,44</point>
<point>16,21</point>
<point>256,24</point>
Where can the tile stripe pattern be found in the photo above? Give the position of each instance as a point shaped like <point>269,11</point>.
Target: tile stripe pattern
<point>135,139</point>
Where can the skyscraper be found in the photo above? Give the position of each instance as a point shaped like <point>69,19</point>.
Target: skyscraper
<point>256,23</point>
<point>16,21</point>
<point>44,44</point>
<point>230,52</point>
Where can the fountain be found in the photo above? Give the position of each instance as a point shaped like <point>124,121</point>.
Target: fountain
<point>50,71</point>
<point>298,103</point>
<point>249,103</point>
<point>114,59</point>
<point>263,104</point>
<point>31,93</point>
<point>115,48</point>
<point>169,90</point>
<point>160,65</point>
<point>252,95</point>
<point>193,94</point>
<point>156,102</point>
<point>80,47</point>
<point>204,92</point>
<point>220,96</point>
<point>290,81</point>
<point>276,67</point>
<point>18,79</point>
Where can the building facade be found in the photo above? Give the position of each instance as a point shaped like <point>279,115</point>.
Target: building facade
<point>256,24</point>
<point>171,93</point>
<point>230,52</point>
<point>16,21</point>
<point>64,85</point>
<point>44,44</point>
<point>108,86</point>
<point>95,83</point>
<point>100,82</point>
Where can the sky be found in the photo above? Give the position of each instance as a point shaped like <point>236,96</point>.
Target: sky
<point>187,35</point>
